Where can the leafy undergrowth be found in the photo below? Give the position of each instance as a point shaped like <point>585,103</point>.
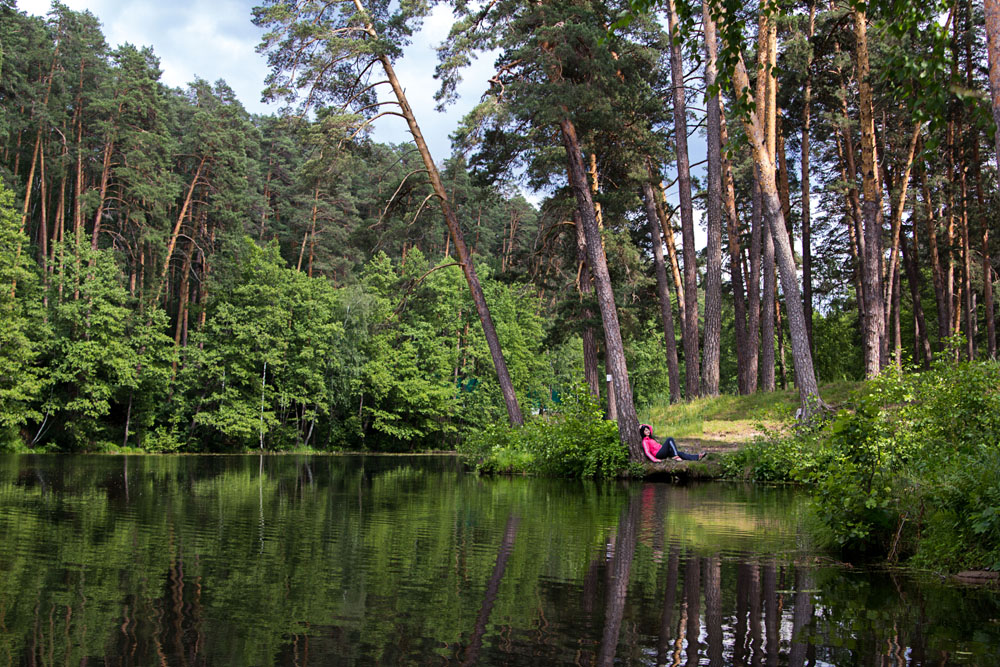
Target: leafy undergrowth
<point>908,470</point>
<point>576,442</point>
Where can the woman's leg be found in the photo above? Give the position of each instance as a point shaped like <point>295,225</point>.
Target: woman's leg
<point>676,452</point>
<point>666,452</point>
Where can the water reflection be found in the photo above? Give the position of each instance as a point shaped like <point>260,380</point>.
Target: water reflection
<point>336,560</point>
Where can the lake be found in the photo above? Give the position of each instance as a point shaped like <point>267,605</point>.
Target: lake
<point>343,560</point>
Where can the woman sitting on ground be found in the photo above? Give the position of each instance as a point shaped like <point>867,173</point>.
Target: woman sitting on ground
<point>668,450</point>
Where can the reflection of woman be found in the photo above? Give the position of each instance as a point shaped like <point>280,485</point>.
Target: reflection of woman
<point>668,450</point>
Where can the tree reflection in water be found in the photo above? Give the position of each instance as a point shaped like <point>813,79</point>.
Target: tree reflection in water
<point>337,560</point>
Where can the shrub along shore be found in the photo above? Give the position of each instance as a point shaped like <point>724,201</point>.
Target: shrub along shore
<point>904,468</point>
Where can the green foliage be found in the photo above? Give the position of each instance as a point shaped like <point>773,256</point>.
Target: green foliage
<point>106,356</point>
<point>20,381</point>
<point>909,468</point>
<point>575,442</point>
<point>771,458</point>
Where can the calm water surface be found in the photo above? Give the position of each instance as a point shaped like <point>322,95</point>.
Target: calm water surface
<point>287,560</point>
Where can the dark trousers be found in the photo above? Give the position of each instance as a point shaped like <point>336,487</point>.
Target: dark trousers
<point>669,450</point>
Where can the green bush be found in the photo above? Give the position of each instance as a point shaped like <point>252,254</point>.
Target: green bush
<point>913,468</point>
<point>576,442</point>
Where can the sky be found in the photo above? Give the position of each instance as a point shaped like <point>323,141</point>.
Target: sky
<point>217,40</point>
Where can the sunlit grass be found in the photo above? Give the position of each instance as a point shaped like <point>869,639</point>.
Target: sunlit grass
<point>733,413</point>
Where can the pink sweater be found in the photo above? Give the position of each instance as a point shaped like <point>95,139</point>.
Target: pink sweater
<point>651,447</point>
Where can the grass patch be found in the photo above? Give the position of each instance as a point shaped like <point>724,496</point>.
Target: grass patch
<point>736,416</point>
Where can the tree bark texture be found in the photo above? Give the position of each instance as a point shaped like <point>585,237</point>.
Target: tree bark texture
<point>767,313</point>
<point>871,208</point>
<point>691,361</point>
<point>628,421</point>
<point>713,263</point>
<point>663,292</point>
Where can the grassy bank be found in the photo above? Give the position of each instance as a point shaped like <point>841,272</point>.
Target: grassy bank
<point>723,424</point>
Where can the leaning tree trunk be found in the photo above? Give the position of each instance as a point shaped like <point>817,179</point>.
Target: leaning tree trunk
<point>805,376</point>
<point>455,231</point>
<point>691,373</point>
<point>663,291</point>
<point>713,262</point>
<point>628,421</point>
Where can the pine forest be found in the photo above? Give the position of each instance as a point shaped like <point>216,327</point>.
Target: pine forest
<point>178,274</point>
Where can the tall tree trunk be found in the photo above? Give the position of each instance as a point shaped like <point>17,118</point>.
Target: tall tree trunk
<point>312,230</point>
<point>34,161</point>
<point>805,376</point>
<point>43,234</point>
<point>713,262</point>
<point>807,296</point>
<point>585,286</point>
<point>628,421</point>
<point>949,272</point>
<point>897,329</point>
<point>896,219</point>
<point>663,292</point>
<point>941,299</point>
<point>991,9</point>
<point>735,267</point>
<point>766,78</point>
<point>991,329</point>
<point>779,330</point>
<point>913,279</point>
<point>27,206</point>
<point>666,224</point>
<point>175,234</point>
<point>872,207</point>
<point>468,268</point>
<point>767,313</point>
<point>967,293</point>
<point>109,147</point>
<point>612,413</point>
<point>691,361</point>
<point>753,287</point>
